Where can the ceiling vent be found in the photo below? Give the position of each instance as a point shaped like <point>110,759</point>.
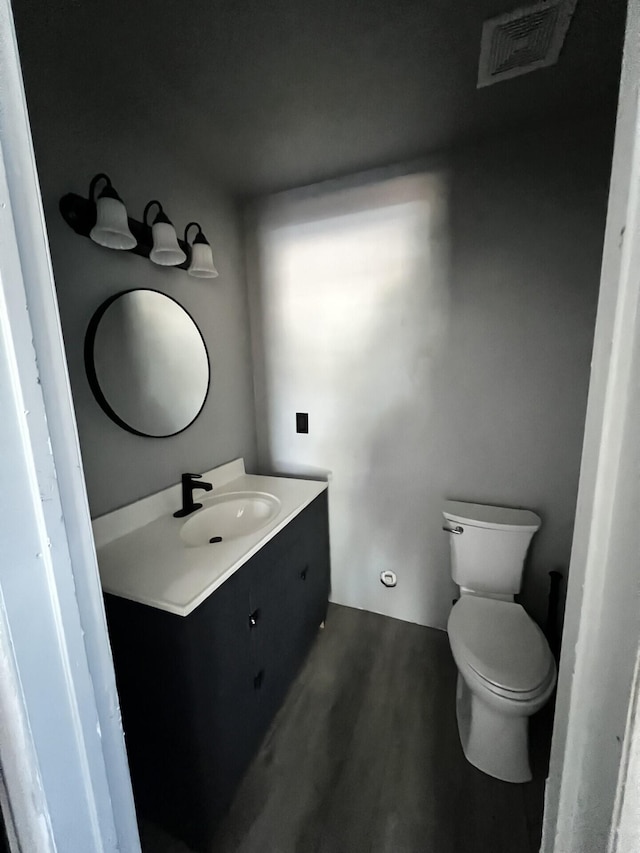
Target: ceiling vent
<point>523,40</point>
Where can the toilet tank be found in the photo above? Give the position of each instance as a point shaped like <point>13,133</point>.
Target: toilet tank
<point>487,556</point>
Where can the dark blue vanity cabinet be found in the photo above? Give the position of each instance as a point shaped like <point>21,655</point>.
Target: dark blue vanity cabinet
<point>199,692</point>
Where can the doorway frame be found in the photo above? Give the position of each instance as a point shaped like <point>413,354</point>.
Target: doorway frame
<point>64,766</point>
<point>594,779</point>
<point>597,725</point>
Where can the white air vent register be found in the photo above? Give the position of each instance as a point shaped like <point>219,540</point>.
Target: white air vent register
<point>523,40</point>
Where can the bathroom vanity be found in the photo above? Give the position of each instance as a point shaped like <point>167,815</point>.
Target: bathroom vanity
<point>200,683</point>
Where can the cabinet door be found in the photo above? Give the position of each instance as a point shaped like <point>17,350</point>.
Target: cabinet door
<point>274,611</point>
<point>311,558</point>
<point>189,706</point>
<point>220,667</point>
<point>150,648</point>
<point>288,592</point>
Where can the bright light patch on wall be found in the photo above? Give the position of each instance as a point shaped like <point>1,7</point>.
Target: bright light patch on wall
<point>341,271</point>
<point>354,309</point>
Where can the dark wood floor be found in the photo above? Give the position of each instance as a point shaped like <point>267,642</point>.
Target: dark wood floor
<point>364,757</point>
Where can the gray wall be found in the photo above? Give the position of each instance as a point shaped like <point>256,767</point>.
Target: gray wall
<point>528,228</point>
<point>504,290</point>
<point>72,143</point>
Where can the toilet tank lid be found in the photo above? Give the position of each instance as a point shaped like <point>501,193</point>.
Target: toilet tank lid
<point>498,517</point>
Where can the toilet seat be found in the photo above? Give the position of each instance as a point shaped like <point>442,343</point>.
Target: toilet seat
<point>502,646</point>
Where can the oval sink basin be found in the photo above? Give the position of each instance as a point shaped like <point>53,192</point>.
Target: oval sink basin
<point>229,516</point>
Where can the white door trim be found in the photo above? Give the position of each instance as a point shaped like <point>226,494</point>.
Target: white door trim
<point>596,709</point>
<point>69,789</point>
<point>626,817</point>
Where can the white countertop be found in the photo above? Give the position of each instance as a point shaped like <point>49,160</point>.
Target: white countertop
<point>142,557</point>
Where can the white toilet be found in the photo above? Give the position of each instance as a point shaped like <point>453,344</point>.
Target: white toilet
<point>506,671</point>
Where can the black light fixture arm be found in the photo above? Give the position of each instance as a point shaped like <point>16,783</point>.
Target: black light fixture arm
<point>94,183</point>
<point>186,231</point>
<point>161,216</point>
<point>199,238</point>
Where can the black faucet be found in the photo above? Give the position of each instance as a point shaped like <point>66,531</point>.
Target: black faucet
<point>188,487</point>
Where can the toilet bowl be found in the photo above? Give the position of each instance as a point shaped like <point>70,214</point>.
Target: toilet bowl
<point>506,673</point>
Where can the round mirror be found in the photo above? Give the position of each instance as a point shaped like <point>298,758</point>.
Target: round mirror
<point>147,363</point>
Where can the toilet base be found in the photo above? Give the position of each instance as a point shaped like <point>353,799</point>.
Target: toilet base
<point>494,742</point>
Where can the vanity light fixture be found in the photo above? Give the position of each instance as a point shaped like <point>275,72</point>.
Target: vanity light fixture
<point>201,264</point>
<point>105,221</point>
<point>165,251</point>
<point>111,228</point>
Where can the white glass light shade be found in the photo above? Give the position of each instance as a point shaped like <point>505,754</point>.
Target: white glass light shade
<point>166,250</point>
<point>201,265</point>
<point>112,228</point>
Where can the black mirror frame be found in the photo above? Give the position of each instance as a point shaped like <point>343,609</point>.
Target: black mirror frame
<point>94,384</point>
